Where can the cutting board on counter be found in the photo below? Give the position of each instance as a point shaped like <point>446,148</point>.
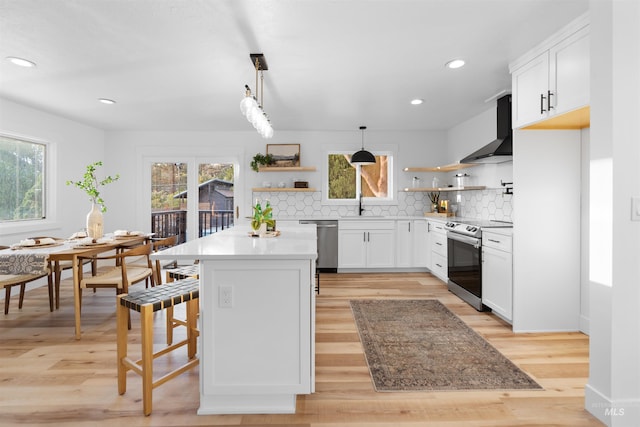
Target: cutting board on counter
<point>439,214</point>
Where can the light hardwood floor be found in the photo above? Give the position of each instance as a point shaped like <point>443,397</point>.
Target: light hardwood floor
<point>47,377</point>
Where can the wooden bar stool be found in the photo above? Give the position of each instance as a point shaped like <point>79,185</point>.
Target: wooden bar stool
<point>179,273</point>
<point>146,302</point>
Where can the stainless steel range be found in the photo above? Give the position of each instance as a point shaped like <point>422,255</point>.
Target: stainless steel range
<point>464,252</point>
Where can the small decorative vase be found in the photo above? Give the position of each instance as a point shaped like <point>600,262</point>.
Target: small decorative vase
<point>434,207</point>
<point>95,224</point>
<point>262,231</point>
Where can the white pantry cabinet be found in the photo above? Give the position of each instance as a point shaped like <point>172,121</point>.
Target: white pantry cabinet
<point>497,274</point>
<point>366,244</point>
<point>411,243</point>
<point>438,248</point>
<point>554,78</point>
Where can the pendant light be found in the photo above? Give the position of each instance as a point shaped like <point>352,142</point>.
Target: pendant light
<point>249,106</point>
<point>363,157</point>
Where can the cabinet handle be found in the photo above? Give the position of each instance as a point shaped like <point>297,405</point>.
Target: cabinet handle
<point>494,241</point>
<point>364,236</point>
<point>409,227</point>
<point>438,243</point>
<point>438,265</point>
<point>549,95</point>
<point>542,98</point>
<point>368,237</point>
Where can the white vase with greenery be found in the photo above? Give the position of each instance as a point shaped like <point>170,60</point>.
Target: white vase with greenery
<point>90,185</point>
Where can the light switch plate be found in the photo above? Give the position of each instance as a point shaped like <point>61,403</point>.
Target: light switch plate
<point>635,209</point>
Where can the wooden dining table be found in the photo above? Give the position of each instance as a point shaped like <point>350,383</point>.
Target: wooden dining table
<point>89,251</point>
<point>70,251</point>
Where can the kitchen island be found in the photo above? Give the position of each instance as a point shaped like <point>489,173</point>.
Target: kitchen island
<point>257,318</point>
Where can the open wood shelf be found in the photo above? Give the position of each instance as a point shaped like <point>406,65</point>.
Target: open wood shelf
<point>446,168</point>
<point>276,189</point>
<point>444,189</point>
<point>287,169</point>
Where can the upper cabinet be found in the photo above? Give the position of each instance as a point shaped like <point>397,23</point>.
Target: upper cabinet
<point>551,83</point>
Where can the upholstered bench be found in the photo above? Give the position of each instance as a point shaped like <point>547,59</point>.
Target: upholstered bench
<point>146,302</point>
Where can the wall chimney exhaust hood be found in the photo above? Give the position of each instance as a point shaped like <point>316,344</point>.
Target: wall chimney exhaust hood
<point>501,149</point>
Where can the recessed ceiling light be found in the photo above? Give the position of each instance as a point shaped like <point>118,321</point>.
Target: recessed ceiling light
<point>21,62</point>
<point>417,101</point>
<point>106,101</point>
<point>455,63</point>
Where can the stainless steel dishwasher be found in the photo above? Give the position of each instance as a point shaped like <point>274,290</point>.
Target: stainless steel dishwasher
<point>327,244</point>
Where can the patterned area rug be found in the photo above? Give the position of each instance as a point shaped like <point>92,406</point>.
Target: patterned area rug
<point>413,345</point>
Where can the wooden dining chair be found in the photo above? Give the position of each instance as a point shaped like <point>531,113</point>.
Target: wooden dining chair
<point>158,244</point>
<point>122,274</point>
<point>8,281</point>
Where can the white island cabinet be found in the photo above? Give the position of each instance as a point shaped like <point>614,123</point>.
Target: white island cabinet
<point>257,318</point>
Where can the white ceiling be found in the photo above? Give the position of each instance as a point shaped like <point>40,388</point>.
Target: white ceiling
<point>333,64</point>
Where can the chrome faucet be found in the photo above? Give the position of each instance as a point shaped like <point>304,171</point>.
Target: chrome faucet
<point>360,208</point>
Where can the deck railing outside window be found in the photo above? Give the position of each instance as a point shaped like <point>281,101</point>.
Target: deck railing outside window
<point>174,223</point>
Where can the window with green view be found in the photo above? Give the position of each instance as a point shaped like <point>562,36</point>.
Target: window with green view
<point>22,179</point>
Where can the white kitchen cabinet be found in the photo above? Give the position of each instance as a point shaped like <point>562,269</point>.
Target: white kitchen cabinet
<point>497,274</point>
<point>569,64</point>
<point>420,244</point>
<point>530,85</point>
<point>438,248</point>
<point>411,243</point>
<point>556,80</point>
<point>366,244</point>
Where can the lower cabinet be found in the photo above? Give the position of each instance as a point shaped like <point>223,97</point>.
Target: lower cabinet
<point>366,244</point>
<point>411,243</point>
<point>497,274</point>
<point>438,248</point>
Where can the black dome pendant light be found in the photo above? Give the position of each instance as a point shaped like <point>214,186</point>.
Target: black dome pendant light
<point>363,157</point>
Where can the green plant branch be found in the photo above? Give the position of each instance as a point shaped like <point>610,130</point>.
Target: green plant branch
<point>90,184</point>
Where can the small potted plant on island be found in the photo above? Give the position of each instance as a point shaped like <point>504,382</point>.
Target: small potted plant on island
<point>262,218</point>
<point>90,185</point>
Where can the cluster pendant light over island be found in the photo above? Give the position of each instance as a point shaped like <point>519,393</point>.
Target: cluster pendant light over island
<point>249,106</point>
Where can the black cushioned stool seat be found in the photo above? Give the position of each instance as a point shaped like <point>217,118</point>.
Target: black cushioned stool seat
<point>146,302</point>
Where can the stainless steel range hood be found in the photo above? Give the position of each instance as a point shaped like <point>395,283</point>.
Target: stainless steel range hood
<point>501,149</point>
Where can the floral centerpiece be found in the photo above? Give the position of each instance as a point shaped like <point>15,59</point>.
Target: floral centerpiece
<point>90,185</point>
<point>262,218</point>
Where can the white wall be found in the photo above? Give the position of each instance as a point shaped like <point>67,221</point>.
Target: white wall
<point>73,146</point>
<point>613,390</point>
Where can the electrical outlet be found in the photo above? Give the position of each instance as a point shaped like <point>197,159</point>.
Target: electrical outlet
<point>225,296</point>
<point>635,209</point>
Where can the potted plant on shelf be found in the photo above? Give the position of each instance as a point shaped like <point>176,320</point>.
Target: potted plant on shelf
<point>261,160</point>
<point>90,185</point>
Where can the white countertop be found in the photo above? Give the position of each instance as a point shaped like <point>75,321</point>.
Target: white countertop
<point>294,242</point>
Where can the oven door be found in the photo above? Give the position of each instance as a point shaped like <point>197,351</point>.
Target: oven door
<point>463,259</point>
